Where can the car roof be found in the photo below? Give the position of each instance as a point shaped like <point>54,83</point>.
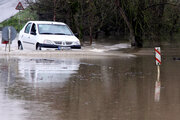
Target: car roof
<point>47,22</point>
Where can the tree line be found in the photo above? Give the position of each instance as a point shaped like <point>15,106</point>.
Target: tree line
<point>142,19</point>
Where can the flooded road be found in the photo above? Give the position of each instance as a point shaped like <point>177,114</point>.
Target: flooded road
<point>107,88</point>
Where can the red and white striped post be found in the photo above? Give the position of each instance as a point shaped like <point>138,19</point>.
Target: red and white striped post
<point>158,83</point>
<point>158,55</point>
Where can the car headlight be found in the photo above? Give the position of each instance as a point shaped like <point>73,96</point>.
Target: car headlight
<point>77,43</point>
<point>48,42</point>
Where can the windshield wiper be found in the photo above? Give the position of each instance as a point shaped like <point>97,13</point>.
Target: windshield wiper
<point>46,33</point>
<point>55,33</point>
<point>59,33</point>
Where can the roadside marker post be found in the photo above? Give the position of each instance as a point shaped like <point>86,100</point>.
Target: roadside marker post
<point>158,55</point>
<point>9,39</point>
<point>8,35</point>
<point>158,83</point>
<point>158,60</point>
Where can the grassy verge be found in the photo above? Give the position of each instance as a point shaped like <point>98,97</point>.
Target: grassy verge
<point>20,19</point>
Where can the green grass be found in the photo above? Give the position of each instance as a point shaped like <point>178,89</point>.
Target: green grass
<point>20,19</point>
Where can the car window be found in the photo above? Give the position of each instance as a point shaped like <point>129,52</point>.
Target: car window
<point>27,29</point>
<point>54,29</point>
<point>33,29</point>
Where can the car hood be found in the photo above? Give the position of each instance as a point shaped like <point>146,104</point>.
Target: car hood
<point>71,38</point>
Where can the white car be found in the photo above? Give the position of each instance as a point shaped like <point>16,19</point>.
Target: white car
<point>46,34</point>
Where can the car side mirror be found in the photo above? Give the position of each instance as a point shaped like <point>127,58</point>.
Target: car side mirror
<point>76,34</point>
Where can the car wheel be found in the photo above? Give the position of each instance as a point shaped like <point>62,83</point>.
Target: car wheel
<point>20,47</point>
<point>38,47</point>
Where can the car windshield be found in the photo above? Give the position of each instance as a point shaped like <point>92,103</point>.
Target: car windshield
<point>54,29</point>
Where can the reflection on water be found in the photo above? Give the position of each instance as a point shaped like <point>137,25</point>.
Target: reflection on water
<point>47,70</point>
<point>89,89</point>
<point>10,109</point>
<point>157,91</point>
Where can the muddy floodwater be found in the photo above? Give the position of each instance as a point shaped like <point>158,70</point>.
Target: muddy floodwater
<point>107,88</point>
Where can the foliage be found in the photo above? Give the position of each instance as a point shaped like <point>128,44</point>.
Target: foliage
<point>145,19</point>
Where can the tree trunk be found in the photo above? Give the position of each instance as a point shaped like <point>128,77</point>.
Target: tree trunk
<point>131,30</point>
<point>90,35</point>
<point>54,11</point>
<point>135,40</point>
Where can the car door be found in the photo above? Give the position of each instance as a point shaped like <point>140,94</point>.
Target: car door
<point>26,36</point>
<point>33,37</point>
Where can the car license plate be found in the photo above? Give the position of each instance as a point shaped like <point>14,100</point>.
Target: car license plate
<point>66,48</point>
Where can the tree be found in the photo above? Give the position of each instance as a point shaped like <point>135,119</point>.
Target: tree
<point>145,19</point>
<point>134,20</point>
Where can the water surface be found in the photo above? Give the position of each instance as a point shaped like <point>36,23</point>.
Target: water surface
<point>107,88</point>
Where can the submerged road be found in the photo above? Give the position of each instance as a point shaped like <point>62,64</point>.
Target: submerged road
<point>89,88</point>
<point>96,50</point>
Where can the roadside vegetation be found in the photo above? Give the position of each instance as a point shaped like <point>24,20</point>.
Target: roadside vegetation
<point>142,20</point>
<point>20,19</point>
